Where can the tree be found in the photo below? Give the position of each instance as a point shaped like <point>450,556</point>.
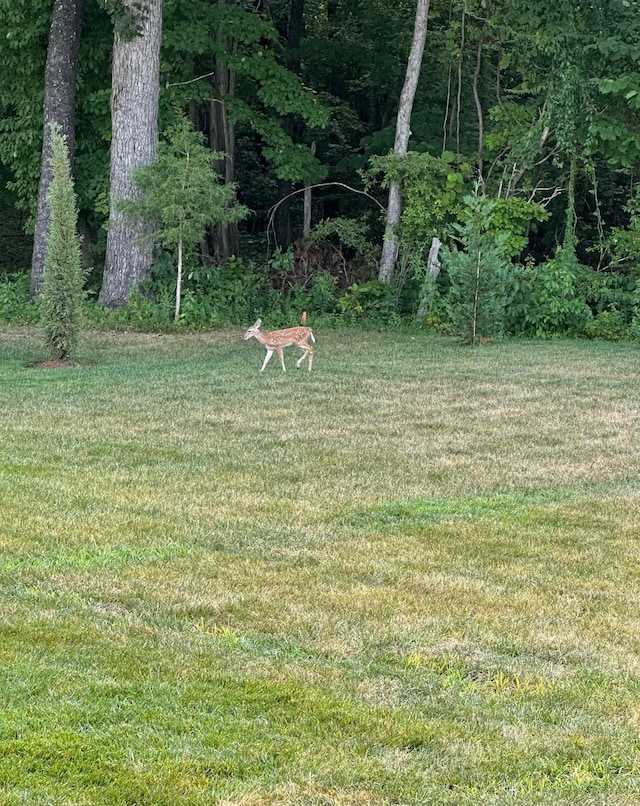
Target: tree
<point>477,275</point>
<point>181,194</point>
<point>62,294</point>
<point>134,117</point>
<point>294,33</point>
<point>247,89</point>
<point>59,108</point>
<point>527,107</point>
<point>403,132</point>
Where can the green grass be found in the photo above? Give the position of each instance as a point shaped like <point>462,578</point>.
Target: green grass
<point>410,576</point>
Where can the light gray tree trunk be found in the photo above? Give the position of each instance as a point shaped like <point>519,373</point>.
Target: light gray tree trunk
<point>59,108</point>
<point>403,132</point>
<point>135,90</point>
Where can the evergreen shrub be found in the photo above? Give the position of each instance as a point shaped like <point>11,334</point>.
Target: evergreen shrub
<point>62,296</point>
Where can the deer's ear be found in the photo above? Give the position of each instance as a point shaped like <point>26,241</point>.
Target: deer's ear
<point>258,323</point>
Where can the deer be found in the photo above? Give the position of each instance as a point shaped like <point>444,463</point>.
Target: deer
<point>275,340</point>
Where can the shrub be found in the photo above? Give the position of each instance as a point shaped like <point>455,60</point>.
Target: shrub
<point>62,295</point>
<point>607,325</point>
<point>556,306</point>
<point>374,301</point>
<point>15,307</point>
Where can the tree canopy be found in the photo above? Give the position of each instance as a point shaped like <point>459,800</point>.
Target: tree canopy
<point>538,101</point>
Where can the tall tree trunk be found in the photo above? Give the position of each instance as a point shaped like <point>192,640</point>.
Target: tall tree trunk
<point>403,132</point>
<point>135,90</point>
<point>282,220</point>
<point>222,138</point>
<point>59,107</point>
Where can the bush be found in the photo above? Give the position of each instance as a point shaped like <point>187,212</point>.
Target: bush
<point>15,307</point>
<point>374,302</point>
<point>555,305</point>
<point>62,296</point>
<point>607,325</point>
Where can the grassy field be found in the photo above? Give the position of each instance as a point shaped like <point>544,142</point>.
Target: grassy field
<point>411,576</point>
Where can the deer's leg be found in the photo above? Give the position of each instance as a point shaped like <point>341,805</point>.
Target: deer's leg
<point>307,353</point>
<point>266,359</point>
<point>281,357</point>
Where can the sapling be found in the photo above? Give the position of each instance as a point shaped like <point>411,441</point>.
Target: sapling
<point>477,274</point>
<point>181,195</point>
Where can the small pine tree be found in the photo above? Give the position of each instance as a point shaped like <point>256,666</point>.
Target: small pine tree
<point>62,294</point>
<point>478,275</point>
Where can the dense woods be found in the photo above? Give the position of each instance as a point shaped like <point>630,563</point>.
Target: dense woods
<point>516,207</point>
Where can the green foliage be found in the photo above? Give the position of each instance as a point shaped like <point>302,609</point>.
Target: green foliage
<point>322,296</point>
<point>127,18</point>
<point>181,194</point>
<point>624,242</point>
<point>350,232</point>
<point>25,27</point>
<point>15,307</point>
<point>374,302</point>
<point>607,325</point>
<point>616,130</point>
<point>344,237</point>
<point>235,35</point>
<point>140,315</point>
<point>433,190</point>
<point>511,220</point>
<point>554,304</point>
<point>613,299</point>
<point>231,294</point>
<point>62,294</point>
<point>561,297</point>
<point>478,275</point>
<point>293,161</point>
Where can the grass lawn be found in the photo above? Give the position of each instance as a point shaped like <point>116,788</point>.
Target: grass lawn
<point>411,576</point>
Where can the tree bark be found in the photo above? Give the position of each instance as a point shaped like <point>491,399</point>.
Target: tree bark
<point>478,103</point>
<point>292,127</point>
<point>403,132</point>
<point>59,108</point>
<point>135,91</point>
<point>306,217</point>
<point>222,138</point>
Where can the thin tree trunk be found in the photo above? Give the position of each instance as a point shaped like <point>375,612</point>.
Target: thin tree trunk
<point>478,102</point>
<point>569,242</point>
<point>448,103</point>
<point>59,107</point>
<point>463,31</point>
<point>222,138</point>
<point>403,132</point>
<point>476,295</point>
<point>292,127</point>
<point>306,219</point>
<point>134,120</point>
<point>179,281</point>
